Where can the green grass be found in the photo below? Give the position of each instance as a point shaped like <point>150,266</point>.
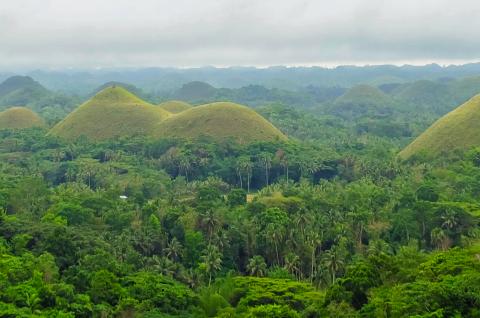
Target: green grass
<point>458,129</point>
<point>220,121</point>
<point>175,106</point>
<point>113,112</point>
<point>19,118</point>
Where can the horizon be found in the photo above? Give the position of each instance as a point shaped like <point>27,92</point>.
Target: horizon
<point>444,64</point>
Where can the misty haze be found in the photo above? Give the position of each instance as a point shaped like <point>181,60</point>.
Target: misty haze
<point>239,158</point>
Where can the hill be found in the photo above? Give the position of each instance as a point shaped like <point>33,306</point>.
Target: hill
<point>129,87</point>
<point>113,112</point>
<point>458,129</point>
<point>18,118</point>
<point>427,95</point>
<point>175,106</point>
<point>21,90</point>
<point>221,121</point>
<point>361,101</point>
<point>195,92</point>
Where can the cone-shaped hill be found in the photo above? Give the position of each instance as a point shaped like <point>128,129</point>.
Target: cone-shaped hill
<point>21,90</point>
<point>175,106</point>
<point>458,129</point>
<point>19,118</point>
<point>220,121</point>
<point>363,100</point>
<point>113,112</point>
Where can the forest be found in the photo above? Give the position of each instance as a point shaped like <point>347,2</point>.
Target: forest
<point>327,223</point>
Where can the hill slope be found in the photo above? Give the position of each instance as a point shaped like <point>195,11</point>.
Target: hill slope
<point>458,129</point>
<point>21,90</point>
<point>175,106</point>
<point>363,100</point>
<point>221,121</point>
<point>111,113</point>
<point>195,91</point>
<point>18,118</point>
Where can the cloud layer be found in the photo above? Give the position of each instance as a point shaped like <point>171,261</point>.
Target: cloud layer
<point>184,33</point>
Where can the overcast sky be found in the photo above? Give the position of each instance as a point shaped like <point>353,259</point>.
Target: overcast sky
<point>185,33</point>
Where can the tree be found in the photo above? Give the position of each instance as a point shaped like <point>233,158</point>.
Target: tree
<point>266,161</point>
<point>292,263</point>
<point>174,249</point>
<point>256,266</point>
<point>212,261</point>
<point>210,222</point>
<point>334,262</point>
<point>439,238</point>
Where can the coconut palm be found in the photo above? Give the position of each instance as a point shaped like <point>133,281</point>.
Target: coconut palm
<point>256,266</point>
<point>212,261</point>
<point>174,249</point>
<point>292,262</point>
<point>333,260</point>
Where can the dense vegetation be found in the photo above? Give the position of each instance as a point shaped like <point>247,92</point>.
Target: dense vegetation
<point>329,223</point>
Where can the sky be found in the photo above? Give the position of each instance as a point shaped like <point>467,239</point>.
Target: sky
<point>191,33</point>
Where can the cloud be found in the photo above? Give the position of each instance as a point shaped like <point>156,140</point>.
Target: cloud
<point>88,33</point>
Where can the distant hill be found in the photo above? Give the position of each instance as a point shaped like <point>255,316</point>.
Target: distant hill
<point>362,100</point>
<point>129,87</point>
<point>429,95</point>
<point>21,90</point>
<point>19,118</point>
<point>113,112</point>
<point>195,92</point>
<point>458,129</point>
<point>175,106</point>
<point>221,121</point>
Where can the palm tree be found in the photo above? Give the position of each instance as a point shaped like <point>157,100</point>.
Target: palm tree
<point>266,160</point>
<point>449,219</point>
<point>174,249</point>
<point>291,264</point>
<point>212,261</point>
<point>162,265</point>
<point>210,222</point>
<point>334,262</point>
<point>185,165</point>
<point>314,240</point>
<point>256,266</point>
<point>439,238</point>
<point>275,234</point>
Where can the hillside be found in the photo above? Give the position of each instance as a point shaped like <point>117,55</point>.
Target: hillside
<point>175,106</point>
<point>195,92</point>
<point>129,87</point>
<point>362,100</point>
<point>220,121</point>
<point>111,113</point>
<point>18,118</point>
<point>458,129</point>
<point>21,90</point>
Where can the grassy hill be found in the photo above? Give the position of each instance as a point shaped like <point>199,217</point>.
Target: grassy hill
<point>129,87</point>
<point>21,90</point>
<point>175,106</point>
<point>362,101</point>
<point>458,129</point>
<point>111,113</point>
<point>220,121</point>
<point>18,118</point>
